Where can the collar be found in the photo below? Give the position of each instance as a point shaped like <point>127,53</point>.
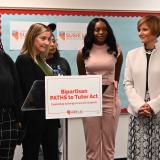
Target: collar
<point>157,47</point>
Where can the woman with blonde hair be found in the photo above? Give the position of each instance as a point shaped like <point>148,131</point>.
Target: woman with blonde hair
<point>141,83</point>
<point>31,66</point>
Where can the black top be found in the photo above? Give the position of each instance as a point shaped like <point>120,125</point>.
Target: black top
<point>28,72</point>
<point>10,93</point>
<point>62,62</point>
<point>148,58</point>
<point>148,55</point>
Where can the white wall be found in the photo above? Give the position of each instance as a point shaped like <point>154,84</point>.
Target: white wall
<point>127,5</point>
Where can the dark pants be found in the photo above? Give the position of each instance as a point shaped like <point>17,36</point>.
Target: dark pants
<point>8,134</point>
<point>40,131</point>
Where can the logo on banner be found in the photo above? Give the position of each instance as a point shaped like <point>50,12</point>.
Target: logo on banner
<point>70,112</point>
<point>71,35</point>
<point>17,35</point>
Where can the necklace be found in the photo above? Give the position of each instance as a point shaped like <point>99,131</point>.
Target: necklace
<point>149,51</point>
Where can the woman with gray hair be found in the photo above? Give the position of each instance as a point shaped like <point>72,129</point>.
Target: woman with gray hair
<point>141,84</point>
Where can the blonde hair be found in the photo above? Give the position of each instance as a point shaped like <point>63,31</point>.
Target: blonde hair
<point>34,30</point>
<point>153,22</point>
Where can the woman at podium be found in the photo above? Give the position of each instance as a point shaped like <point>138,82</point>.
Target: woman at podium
<point>31,66</point>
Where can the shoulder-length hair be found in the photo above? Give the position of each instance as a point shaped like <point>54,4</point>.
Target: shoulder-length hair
<point>89,38</point>
<point>57,53</point>
<point>153,22</point>
<point>34,30</point>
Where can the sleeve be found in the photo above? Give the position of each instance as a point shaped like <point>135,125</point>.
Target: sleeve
<point>17,91</point>
<point>118,65</point>
<point>134,99</point>
<point>64,66</point>
<point>26,73</point>
<point>155,104</point>
<point>80,64</point>
<point>68,67</point>
<point>19,66</point>
<point>18,95</point>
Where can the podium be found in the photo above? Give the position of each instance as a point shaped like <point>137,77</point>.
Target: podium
<point>35,99</point>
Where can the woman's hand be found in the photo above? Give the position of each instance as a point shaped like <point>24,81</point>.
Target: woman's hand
<point>19,125</point>
<point>145,110</point>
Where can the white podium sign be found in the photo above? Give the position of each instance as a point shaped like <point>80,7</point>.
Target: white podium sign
<point>73,96</point>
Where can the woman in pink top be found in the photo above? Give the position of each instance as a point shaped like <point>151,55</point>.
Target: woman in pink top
<point>101,55</point>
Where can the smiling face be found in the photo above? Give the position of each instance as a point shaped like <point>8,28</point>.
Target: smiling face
<point>146,35</point>
<point>41,42</point>
<point>100,33</point>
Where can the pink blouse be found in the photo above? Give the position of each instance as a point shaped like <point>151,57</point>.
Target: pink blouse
<point>100,62</point>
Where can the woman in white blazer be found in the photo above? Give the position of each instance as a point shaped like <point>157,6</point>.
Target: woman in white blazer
<point>142,87</point>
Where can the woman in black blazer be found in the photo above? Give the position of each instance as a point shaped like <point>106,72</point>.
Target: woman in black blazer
<point>10,102</point>
<point>31,66</point>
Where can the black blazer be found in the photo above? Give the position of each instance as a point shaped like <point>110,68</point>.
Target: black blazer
<point>10,95</point>
<point>28,72</point>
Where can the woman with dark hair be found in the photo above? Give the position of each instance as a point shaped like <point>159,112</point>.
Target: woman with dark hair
<point>10,102</point>
<point>59,64</point>
<point>102,56</point>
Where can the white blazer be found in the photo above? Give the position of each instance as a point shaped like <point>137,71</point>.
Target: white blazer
<point>135,79</point>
